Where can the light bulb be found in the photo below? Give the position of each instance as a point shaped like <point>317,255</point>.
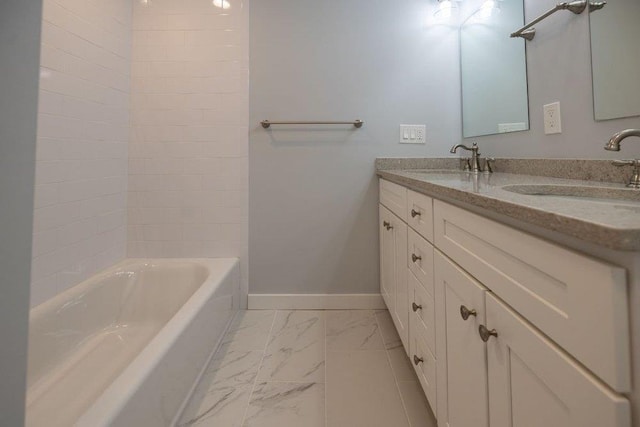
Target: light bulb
<point>222,4</point>
<point>488,8</point>
<point>445,9</point>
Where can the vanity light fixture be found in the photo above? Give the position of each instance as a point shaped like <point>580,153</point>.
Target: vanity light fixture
<point>222,4</point>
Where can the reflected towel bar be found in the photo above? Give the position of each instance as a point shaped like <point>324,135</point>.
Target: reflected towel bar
<point>357,123</point>
<point>576,7</point>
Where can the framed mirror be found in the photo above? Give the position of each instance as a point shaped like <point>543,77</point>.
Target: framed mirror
<point>615,59</point>
<point>493,70</point>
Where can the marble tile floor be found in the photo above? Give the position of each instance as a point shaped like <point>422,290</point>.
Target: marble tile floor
<point>338,368</point>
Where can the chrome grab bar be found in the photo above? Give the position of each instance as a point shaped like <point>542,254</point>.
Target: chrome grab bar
<point>266,123</point>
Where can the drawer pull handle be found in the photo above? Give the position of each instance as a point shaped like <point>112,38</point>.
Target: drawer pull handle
<point>414,213</point>
<point>416,307</point>
<point>465,312</point>
<point>415,257</point>
<point>417,360</point>
<point>485,333</point>
<point>387,225</point>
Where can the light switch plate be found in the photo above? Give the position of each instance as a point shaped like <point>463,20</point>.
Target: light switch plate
<point>413,134</point>
<point>552,119</point>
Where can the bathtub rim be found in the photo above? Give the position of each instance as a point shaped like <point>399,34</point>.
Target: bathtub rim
<point>115,397</point>
<point>87,283</point>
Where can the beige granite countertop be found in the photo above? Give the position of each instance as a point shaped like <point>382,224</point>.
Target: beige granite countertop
<point>614,224</point>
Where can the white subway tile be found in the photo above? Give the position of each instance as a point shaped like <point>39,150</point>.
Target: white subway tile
<point>45,195</point>
<point>81,170</point>
<point>188,149</point>
<point>44,242</point>
<point>164,232</point>
<point>144,21</point>
<point>77,231</point>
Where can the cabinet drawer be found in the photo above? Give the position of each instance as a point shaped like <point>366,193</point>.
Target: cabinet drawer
<point>425,369</point>
<point>422,252</point>
<point>578,301</point>
<point>423,315</point>
<point>394,197</point>
<point>420,214</point>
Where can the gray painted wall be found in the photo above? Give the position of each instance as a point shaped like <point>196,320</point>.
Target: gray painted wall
<point>313,193</point>
<point>312,190</point>
<point>20,53</point>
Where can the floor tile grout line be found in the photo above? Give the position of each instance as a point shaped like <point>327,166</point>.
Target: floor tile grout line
<point>255,381</point>
<point>393,372</point>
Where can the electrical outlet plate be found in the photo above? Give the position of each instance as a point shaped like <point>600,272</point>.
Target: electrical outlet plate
<point>552,119</point>
<point>412,134</point>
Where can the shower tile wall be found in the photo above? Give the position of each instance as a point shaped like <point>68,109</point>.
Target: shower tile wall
<point>83,125</point>
<point>188,163</point>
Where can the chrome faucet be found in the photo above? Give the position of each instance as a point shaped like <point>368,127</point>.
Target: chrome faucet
<point>475,156</point>
<point>616,139</point>
<point>614,145</point>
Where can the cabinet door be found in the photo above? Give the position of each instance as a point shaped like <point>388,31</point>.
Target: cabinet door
<point>393,265</point>
<point>462,380</point>
<point>387,258</point>
<point>533,383</point>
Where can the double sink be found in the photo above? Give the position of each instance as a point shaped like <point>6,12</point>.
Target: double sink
<point>587,193</point>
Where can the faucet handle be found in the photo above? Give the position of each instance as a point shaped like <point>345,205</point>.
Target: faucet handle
<point>634,182</point>
<point>487,164</point>
<point>465,164</point>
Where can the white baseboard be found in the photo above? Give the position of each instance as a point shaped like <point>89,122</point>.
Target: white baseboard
<point>316,302</point>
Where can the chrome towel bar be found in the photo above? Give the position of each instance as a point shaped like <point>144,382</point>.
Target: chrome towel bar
<point>357,123</point>
<point>576,7</point>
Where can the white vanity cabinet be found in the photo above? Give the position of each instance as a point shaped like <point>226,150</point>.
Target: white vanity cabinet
<point>578,301</point>
<point>505,328</point>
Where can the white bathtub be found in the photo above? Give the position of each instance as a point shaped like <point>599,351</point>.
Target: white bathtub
<point>125,347</point>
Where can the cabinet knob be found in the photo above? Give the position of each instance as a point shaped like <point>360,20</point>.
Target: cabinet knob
<point>415,257</point>
<point>465,312</point>
<point>417,360</point>
<point>414,213</point>
<point>485,333</point>
<point>416,307</point>
<point>387,225</point>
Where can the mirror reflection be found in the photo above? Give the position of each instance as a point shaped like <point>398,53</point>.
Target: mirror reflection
<point>615,59</point>
<point>493,70</point>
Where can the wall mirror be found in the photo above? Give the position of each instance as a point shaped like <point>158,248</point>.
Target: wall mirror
<point>615,59</point>
<point>493,69</point>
